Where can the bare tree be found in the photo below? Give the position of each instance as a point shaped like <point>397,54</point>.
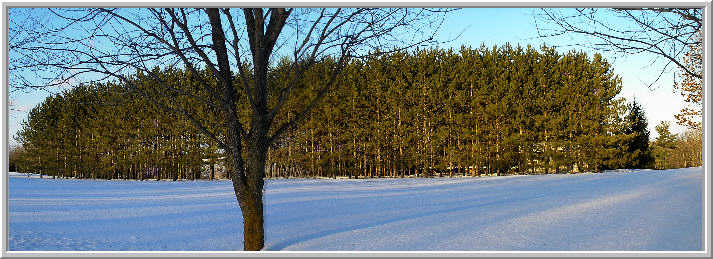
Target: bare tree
<point>691,88</point>
<point>664,32</point>
<point>236,46</point>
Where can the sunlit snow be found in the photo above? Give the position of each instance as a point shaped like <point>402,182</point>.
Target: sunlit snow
<point>623,210</point>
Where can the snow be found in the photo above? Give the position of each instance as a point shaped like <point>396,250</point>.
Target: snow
<point>639,210</point>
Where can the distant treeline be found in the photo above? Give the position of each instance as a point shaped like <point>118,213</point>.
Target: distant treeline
<point>506,110</point>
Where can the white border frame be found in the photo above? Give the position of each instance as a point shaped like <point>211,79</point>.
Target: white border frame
<point>706,5</point>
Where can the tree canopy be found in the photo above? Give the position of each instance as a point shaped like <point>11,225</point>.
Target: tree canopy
<point>499,110</point>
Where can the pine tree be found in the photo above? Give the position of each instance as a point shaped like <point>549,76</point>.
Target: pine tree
<point>638,146</point>
<point>499,110</point>
<point>664,146</point>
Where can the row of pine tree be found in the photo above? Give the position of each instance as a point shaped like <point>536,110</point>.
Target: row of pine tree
<point>468,112</point>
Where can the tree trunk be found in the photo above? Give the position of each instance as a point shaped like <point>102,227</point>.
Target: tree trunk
<point>253,225</point>
<point>248,186</point>
<point>250,198</point>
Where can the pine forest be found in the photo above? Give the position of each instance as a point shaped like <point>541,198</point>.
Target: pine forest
<point>433,112</point>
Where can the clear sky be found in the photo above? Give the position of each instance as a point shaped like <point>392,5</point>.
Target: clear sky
<point>497,26</point>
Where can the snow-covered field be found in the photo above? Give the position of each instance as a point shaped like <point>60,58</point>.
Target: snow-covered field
<point>640,210</point>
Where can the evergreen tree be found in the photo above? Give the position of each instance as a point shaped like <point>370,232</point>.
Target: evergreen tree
<point>638,146</point>
<point>430,112</point>
<point>663,146</point>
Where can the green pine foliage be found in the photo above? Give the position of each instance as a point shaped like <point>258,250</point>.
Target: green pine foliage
<point>638,146</point>
<point>428,112</point>
<point>677,151</point>
<point>110,131</point>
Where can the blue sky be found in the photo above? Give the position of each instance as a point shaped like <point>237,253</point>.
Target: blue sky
<point>497,26</point>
